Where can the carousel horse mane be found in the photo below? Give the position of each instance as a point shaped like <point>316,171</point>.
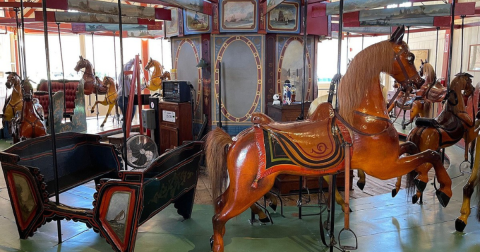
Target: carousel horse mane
<point>429,73</point>
<point>354,78</point>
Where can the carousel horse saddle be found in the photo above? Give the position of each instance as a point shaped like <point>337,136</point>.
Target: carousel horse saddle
<point>436,93</point>
<point>406,102</point>
<point>450,125</point>
<point>309,143</point>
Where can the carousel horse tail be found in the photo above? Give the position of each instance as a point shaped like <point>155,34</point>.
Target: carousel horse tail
<point>410,184</point>
<point>216,147</point>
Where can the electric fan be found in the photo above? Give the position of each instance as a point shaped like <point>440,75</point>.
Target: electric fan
<point>141,151</point>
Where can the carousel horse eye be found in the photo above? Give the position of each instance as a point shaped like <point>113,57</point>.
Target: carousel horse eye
<point>411,58</point>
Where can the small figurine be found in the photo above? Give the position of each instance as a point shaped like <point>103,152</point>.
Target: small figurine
<point>287,93</point>
<point>276,99</point>
<point>294,92</point>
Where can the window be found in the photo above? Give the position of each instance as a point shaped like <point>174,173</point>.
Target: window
<point>155,47</point>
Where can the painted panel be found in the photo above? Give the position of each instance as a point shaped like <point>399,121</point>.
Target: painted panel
<point>172,27</point>
<point>357,5</point>
<point>406,12</point>
<point>24,198</point>
<point>290,65</point>
<point>238,16</point>
<point>117,213</point>
<point>196,23</point>
<point>242,79</point>
<point>285,18</point>
<point>186,53</point>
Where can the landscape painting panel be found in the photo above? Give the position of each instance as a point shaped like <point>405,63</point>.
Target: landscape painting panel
<point>171,27</point>
<point>284,18</point>
<point>239,14</point>
<point>196,22</point>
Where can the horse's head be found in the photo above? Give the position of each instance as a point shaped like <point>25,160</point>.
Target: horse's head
<point>404,70</point>
<point>108,81</point>
<point>27,90</point>
<point>463,81</point>
<point>12,80</point>
<point>82,63</point>
<point>149,64</point>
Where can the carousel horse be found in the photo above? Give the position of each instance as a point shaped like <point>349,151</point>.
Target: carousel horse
<point>14,101</point>
<point>319,145</point>
<point>431,92</point>
<point>449,127</point>
<point>110,97</point>
<point>404,101</point>
<point>90,85</point>
<point>30,123</point>
<point>157,76</point>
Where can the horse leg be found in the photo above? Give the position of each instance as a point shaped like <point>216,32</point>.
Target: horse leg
<point>361,179</point>
<point>461,221</point>
<point>405,148</point>
<point>236,203</point>
<point>406,164</point>
<point>262,217</point>
<point>110,107</point>
<point>338,197</point>
<point>415,111</point>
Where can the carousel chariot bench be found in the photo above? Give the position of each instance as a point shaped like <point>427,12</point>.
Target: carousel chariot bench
<point>123,201</point>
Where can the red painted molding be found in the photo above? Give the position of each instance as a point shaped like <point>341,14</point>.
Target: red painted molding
<point>50,16</point>
<point>58,4</point>
<point>317,22</point>
<point>464,9</point>
<point>442,21</point>
<point>163,14</point>
<point>18,5</point>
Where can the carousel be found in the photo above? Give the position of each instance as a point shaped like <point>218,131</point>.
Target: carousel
<point>265,105</point>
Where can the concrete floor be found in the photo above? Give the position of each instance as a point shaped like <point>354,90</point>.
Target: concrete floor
<point>381,223</point>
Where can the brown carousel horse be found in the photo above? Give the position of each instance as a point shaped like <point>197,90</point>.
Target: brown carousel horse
<point>431,92</point>
<point>14,102</point>
<point>449,127</point>
<point>90,85</point>
<point>157,76</point>
<point>30,123</point>
<point>318,145</point>
<point>110,97</point>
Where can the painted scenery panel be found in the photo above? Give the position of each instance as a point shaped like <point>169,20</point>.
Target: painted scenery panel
<point>187,70</point>
<point>196,22</point>
<point>284,18</point>
<point>117,213</point>
<point>171,27</point>
<point>238,15</point>
<point>24,195</point>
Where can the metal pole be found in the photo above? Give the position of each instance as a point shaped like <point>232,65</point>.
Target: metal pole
<point>123,82</point>
<point>408,33</point>
<point>20,61</point>
<point>452,23</point>
<point>461,46</point>
<point>94,74</point>
<point>302,110</point>
<point>116,76</point>
<point>63,72</point>
<point>23,42</point>
<point>339,56</point>
<point>436,51</point>
<point>50,111</point>
<point>348,33</point>
<point>219,124</point>
<point>363,36</point>
<point>334,176</point>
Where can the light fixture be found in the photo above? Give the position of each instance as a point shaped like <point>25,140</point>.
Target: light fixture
<point>202,64</point>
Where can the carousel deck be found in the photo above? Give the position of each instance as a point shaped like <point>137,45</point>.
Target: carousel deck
<point>380,222</point>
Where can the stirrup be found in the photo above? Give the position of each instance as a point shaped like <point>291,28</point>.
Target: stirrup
<point>343,247</point>
<point>463,171</point>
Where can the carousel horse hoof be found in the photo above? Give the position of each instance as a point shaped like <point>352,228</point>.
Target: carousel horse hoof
<point>273,206</point>
<point>420,185</point>
<point>101,125</point>
<point>394,192</point>
<point>459,225</point>
<point>92,111</point>
<point>264,220</point>
<point>442,198</point>
<point>360,185</point>
<point>414,199</point>
<point>211,242</point>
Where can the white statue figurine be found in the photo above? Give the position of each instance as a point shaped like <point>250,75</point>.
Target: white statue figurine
<point>276,99</point>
